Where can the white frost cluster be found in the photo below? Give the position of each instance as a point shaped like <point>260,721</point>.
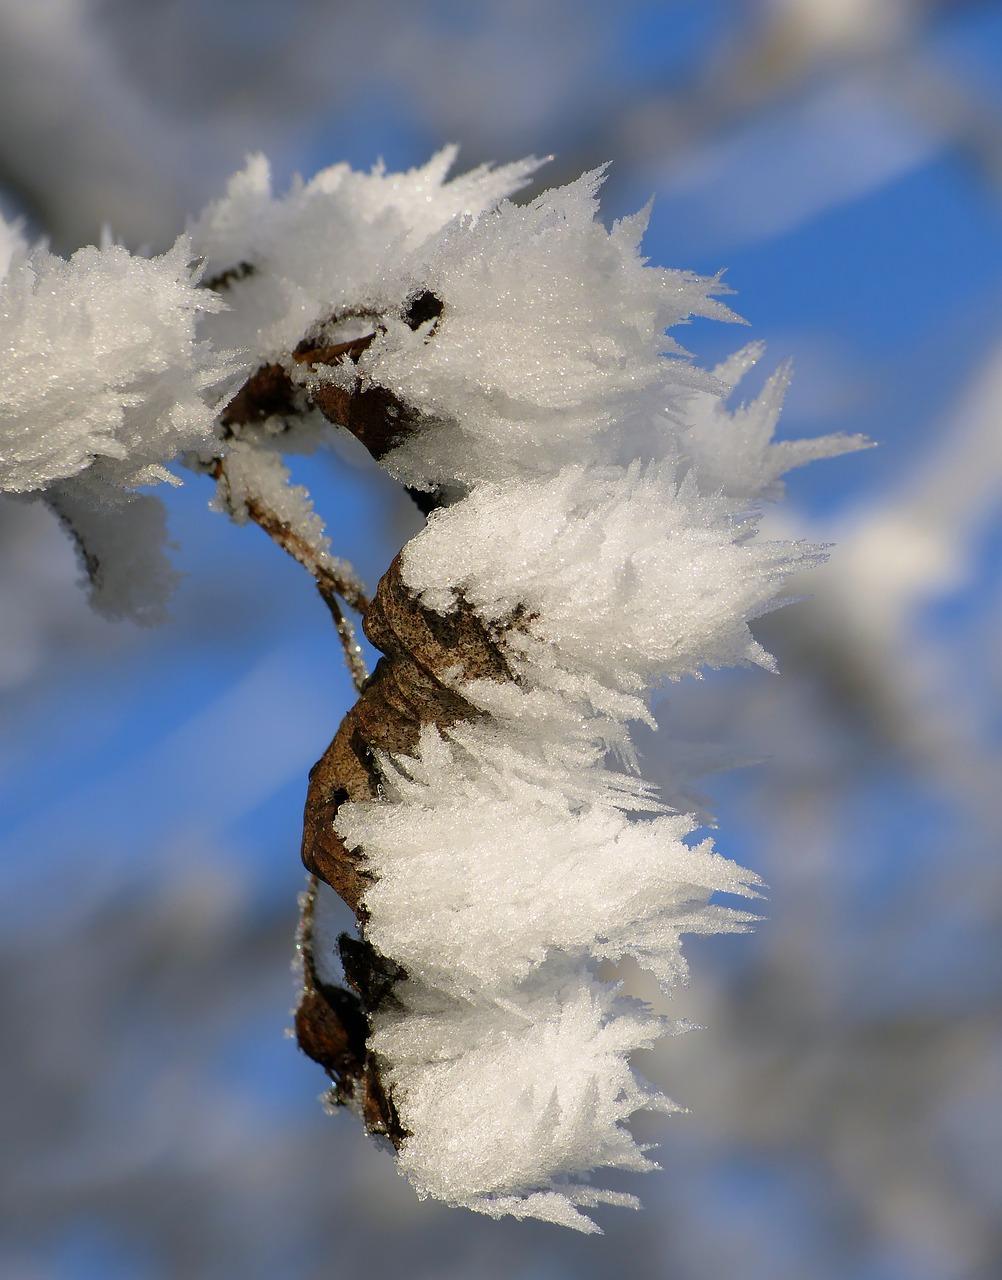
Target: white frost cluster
<point>104,380</point>
<point>536,869</point>
<point>565,327</point>
<point>586,549</point>
<point>338,242</point>
<point>602,522</point>
<point>101,363</point>
<point>508,1101</point>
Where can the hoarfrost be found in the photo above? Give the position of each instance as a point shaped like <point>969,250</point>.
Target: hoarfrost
<point>102,361</point>
<point>509,1104</point>
<point>339,241</point>
<point>601,518</point>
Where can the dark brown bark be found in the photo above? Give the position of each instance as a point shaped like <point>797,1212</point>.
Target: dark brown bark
<point>371,413</point>
<point>267,392</point>
<point>332,1028</point>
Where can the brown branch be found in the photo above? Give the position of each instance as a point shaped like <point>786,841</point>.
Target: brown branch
<point>426,655</point>
<point>329,580</point>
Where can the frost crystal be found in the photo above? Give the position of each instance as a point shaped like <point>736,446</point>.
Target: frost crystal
<point>101,362</point>
<point>104,379</point>
<point>628,576</point>
<point>550,347</point>
<point>508,1102</point>
<point>485,870</point>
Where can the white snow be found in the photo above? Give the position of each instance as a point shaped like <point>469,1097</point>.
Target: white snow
<point>551,341</point>
<point>101,360</point>
<point>629,577</point>
<point>510,1103</point>
<point>486,867</point>
<point>335,242</point>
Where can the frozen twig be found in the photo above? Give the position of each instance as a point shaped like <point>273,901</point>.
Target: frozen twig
<point>334,581</point>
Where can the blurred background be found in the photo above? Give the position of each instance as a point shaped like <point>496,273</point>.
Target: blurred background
<point>842,159</point>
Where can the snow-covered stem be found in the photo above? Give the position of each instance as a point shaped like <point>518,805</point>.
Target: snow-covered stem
<point>333,579</point>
